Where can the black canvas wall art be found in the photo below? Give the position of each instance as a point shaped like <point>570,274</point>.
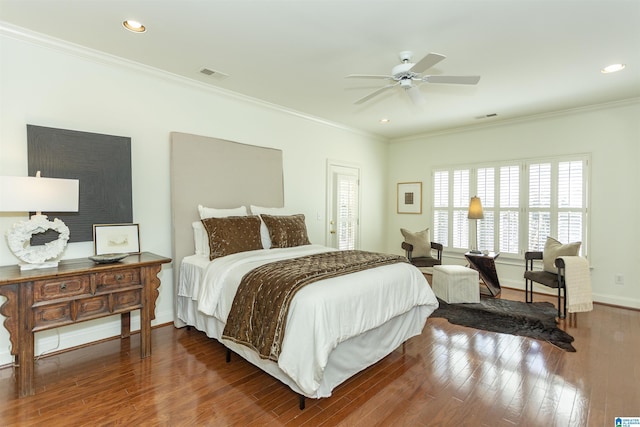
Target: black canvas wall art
<point>102,164</point>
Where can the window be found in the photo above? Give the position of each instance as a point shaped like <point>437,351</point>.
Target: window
<point>460,208</point>
<point>486,192</point>
<point>343,183</point>
<point>523,201</point>
<point>441,207</point>
<point>539,204</point>
<point>509,209</point>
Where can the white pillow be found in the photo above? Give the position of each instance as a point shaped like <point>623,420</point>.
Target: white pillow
<point>421,241</point>
<point>221,213</point>
<point>554,249</point>
<point>264,231</point>
<point>200,236</point>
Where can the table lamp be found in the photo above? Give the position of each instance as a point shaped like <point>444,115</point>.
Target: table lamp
<point>36,194</point>
<point>475,212</point>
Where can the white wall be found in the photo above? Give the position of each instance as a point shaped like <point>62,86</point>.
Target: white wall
<point>610,133</point>
<point>46,83</point>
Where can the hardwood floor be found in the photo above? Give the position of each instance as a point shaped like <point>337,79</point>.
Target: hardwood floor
<point>449,375</point>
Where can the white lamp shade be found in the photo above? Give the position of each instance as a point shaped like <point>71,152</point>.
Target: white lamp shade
<point>34,194</point>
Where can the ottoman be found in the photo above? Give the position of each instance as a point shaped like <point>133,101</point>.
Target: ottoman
<point>456,284</point>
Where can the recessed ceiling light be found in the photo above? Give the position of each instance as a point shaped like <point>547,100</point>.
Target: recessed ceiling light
<point>384,121</point>
<point>134,26</point>
<point>612,68</point>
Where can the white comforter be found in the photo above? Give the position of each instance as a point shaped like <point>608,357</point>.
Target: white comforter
<point>322,314</point>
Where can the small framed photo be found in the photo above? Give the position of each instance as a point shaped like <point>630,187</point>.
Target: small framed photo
<point>409,197</point>
<point>116,239</point>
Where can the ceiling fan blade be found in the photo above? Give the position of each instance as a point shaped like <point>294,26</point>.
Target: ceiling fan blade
<point>461,80</point>
<point>372,94</point>
<point>416,96</point>
<point>427,62</point>
<point>368,76</point>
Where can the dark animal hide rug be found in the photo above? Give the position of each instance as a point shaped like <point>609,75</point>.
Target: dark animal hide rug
<point>535,320</point>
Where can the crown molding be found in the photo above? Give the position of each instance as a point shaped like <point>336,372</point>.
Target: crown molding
<point>521,119</point>
<point>43,40</point>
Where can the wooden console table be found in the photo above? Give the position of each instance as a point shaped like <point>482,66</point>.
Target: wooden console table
<point>76,290</point>
<point>485,265</point>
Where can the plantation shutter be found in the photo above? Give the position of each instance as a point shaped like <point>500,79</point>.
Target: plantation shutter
<point>441,207</point>
<point>460,208</point>
<point>486,192</point>
<point>539,205</point>
<point>347,215</point>
<point>570,201</point>
<point>523,201</point>
<point>509,208</point>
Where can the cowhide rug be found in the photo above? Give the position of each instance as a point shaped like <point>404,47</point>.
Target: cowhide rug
<point>535,320</point>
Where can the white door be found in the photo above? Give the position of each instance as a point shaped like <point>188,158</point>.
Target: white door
<point>344,206</point>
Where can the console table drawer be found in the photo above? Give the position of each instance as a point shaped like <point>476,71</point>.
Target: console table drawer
<point>52,315</point>
<point>114,280</point>
<point>47,290</point>
<point>88,308</point>
<point>127,301</point>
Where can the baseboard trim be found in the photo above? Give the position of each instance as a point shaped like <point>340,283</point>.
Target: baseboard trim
<point>87,344</point>
<point>595,301</point>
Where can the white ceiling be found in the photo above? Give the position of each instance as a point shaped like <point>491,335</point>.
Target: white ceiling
<point>534,56</point>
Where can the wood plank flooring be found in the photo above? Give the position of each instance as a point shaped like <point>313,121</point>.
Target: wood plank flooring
<point>449,375</point>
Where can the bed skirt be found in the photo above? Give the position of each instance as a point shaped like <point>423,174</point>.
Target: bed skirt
<point>347,359</point>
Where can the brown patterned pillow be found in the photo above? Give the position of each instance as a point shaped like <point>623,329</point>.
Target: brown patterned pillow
<point>286,231</point>
<point>232,234</point>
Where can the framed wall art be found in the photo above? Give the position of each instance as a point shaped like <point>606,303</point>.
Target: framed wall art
<point>102,165</point>
<point>116,239</point>
<point>409,198</point>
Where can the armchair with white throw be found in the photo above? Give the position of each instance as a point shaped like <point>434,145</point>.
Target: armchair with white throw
<point>564,270</point>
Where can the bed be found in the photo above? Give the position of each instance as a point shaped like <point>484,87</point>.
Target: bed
<point>335,327</point>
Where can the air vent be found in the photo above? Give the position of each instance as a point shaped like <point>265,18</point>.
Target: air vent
<point>487,116</point>
<point>213,73</point>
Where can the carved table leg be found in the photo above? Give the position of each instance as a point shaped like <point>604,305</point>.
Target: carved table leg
<point>25,366</point>
<point>125,325</point>
<point>147,312</point>
<point>25,341</point>
<point>19,325</point>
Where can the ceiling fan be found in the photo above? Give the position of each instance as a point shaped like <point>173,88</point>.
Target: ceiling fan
<point>408,75</point>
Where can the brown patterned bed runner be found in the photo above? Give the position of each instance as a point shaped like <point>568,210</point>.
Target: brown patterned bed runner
<point>258,314</point>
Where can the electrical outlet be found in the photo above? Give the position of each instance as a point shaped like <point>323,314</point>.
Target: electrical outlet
<point>619,279</point>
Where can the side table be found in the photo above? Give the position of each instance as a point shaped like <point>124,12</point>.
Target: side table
<point>76,290</point>
<point>485,265</point>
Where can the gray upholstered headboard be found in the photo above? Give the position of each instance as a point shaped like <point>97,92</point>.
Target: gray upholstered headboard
<point>218,174</point>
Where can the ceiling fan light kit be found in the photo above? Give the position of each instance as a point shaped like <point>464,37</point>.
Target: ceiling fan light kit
<point>407,72</point>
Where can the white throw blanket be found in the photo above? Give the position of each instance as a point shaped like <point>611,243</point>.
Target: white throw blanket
<point>578,282</point>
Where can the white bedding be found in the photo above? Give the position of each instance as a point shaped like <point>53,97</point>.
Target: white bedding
<point>323,314</point>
